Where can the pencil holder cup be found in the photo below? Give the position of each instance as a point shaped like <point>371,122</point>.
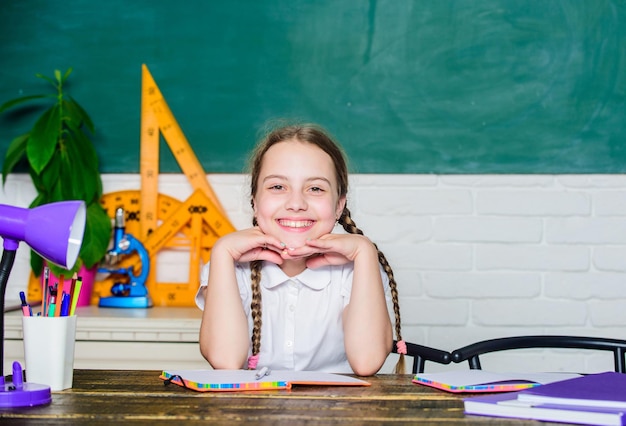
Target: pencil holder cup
<point>49,350</point>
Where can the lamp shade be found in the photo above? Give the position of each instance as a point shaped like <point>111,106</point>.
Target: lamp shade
<point>54,230</point>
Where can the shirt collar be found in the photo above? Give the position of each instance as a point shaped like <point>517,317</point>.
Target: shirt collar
<point>315,279</point>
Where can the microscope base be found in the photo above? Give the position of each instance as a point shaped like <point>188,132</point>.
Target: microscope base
<point>125,302</point>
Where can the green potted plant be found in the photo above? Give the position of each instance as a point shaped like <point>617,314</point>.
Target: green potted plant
<point>63,165</point>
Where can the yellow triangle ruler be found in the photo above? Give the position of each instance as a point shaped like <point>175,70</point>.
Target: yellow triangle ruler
<point>156,115</point>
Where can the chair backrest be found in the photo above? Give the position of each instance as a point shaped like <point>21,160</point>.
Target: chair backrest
<point>421,354</point>
<point>471,353</point>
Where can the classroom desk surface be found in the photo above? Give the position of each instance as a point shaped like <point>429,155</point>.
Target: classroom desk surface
<point>100,397</point>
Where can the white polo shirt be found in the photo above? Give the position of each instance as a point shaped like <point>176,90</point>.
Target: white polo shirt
<point>301,316</point>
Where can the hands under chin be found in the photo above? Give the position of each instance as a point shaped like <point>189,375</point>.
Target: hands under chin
<point>262,253</point>
<point>327,250</point>
<point>280,255</point>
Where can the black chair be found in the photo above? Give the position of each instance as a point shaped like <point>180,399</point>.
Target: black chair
<point>421,354</point>
<point>471,353</point>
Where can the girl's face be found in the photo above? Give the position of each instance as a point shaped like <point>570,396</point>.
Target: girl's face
<point>297,196</point>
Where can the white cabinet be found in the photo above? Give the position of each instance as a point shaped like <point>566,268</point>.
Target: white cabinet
<point>124,339</point>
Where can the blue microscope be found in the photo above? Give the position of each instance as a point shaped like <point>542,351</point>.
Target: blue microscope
<point>132,293</point>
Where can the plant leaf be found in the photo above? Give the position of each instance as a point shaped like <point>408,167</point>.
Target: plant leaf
<point>48,79</point>
<point>69,180</point>
<point>58,271</point>
<point>36,263</point>
<point>15,152</point>
<point>67,73</point>
<point>84,146</point>
<point>97,235</point>
<point>83,165</point>
<point>13,102</point>
<point>43,139</point>
<point>39,200</point>
<point>81,114</point>
<point>46,180</point>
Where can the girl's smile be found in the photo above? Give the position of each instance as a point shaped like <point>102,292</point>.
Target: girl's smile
<point>295,225</point>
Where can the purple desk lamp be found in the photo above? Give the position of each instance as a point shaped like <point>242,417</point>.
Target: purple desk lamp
<point>55,231</point>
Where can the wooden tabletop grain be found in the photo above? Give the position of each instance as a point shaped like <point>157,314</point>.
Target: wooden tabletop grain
<point>100,397</point>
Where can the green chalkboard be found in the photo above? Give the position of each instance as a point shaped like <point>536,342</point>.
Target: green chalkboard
<point>407,86</point>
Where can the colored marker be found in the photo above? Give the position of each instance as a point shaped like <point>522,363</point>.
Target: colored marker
<point>46,295</point>
<point>79,284</point>
<point>53,299</point>
<point>73,287</point>
<point>59,294</point>
<point>26,309</point>
<point>65,305</point>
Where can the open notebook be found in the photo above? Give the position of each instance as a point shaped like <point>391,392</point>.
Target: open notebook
<point>485,381</point>
<point>244,380</point>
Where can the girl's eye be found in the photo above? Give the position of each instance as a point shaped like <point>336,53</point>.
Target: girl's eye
<point>316,189</point>
<point>276,187</point>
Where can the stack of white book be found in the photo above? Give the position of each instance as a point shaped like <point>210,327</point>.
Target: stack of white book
<point>595,399</point>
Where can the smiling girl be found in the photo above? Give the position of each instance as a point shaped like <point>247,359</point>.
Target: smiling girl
<point>288,293</point>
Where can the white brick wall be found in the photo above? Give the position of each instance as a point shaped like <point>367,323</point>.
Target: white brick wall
<point>476,256</point>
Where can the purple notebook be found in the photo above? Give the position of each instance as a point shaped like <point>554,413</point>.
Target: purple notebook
<point>507,405</point>
<point>594,390</point>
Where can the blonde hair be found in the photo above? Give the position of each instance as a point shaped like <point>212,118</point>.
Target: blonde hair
<point>315,135</point>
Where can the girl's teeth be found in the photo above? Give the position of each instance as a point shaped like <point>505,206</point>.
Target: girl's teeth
<point>295,224</point>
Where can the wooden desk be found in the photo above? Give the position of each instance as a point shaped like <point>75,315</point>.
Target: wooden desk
<point>101,397</point>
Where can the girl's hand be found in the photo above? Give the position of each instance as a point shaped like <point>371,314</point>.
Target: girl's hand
<point>331,249</point>
<point>251,244</point>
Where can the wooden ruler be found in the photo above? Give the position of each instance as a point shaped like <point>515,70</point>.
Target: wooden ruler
<point>148,160</point>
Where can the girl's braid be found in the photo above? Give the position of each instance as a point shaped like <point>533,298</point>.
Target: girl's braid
<point>255,307</point>
<point>348,224</point>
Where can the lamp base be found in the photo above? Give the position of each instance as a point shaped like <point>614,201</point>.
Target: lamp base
<point>125,302</point>
<point>28,395</point>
